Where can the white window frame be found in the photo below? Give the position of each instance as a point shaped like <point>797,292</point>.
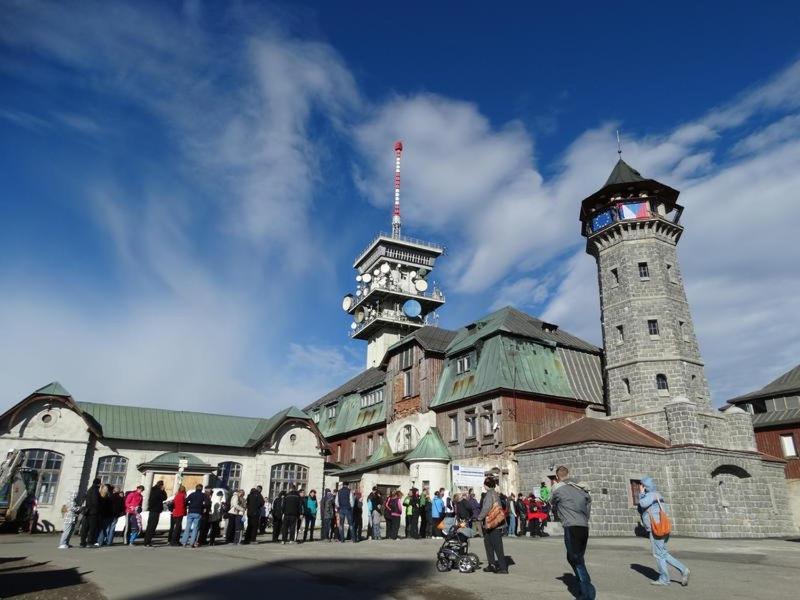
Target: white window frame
<point>488,421</point>
<point>463,364</point>
<point>408,384</point>
<point>472,425</point>
<point>453,427</point>
<point>331,411</point>
<point>370,445</point>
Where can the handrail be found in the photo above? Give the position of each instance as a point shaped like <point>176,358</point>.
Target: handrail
<point>402,238</point>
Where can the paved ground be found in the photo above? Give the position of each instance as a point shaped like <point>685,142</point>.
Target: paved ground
<point>621,569</point>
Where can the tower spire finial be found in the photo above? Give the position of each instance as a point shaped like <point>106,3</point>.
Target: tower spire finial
<point>396,222</point>
<point>619,145</point>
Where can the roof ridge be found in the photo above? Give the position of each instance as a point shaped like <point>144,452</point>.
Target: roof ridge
<point>170,410</point>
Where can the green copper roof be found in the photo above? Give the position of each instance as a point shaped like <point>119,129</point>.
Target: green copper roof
<point>160,425</point>
<point>539,369</point>
<point>430,447</point>
<point>350,416</point>
<point>53,389</point>
<point>623,173</point>
<point>515,322</point>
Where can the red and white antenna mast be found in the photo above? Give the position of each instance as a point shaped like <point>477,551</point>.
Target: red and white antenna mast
<point>396,222</point>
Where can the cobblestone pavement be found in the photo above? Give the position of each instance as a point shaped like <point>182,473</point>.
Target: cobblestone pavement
<point>621,569</point>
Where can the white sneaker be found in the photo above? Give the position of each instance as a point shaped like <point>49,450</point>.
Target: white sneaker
<point>63,547</point>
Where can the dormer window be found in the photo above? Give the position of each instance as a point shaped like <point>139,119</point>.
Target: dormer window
<point>406,358</point>
<point>372,398</point>
<point>331,411</point>
<point>463,364</point>
<point>316,416</point>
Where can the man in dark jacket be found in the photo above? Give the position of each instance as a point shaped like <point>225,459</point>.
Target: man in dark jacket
<point>155,504</point>
<point>344,502</point>
<point>254,503</point>
<point>91,514</point>
<point>292,509</point>
<point>328,510</point>
<point>277,516</point>
<point>194,512</point>
<point>205,517</point>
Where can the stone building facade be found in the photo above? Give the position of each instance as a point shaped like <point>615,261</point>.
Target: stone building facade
<point>69,443</point>
<point>659,419</point>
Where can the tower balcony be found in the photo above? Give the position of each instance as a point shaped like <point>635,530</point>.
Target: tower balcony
<point>403,249</point>
<point>377,320</point>
<point>393,294</point>
<point>630,209</point>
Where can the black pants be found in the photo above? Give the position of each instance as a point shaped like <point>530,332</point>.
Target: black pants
<point>327,528</point>
<point>392,527</point>
<point>493,544</point>
<point>289,528</point>
<point>358,528</point>
<point>414,529</point>
<point>277,526</point>
<point>262,525</point>
<point>575,540</point>
<point>213,533</point>
<point>152,523</point>
<point>89,529</point>
<point>202,531</point>
<point>252,528</point>
<point>175,524</point>
<point>436,532</point>
<point>310,522</point>
<point>424,527</point>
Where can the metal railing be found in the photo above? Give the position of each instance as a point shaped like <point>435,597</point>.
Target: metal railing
<point>403,238</point>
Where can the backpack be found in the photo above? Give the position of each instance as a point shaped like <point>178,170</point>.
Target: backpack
<point>495,517</point>
<point>662,527</point>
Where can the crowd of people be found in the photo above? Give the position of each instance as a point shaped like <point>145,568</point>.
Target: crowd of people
<point>196,518</point>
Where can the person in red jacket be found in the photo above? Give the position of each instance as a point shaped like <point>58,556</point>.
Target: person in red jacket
<point>133,509</point>
<point>536,516</point>
<point>176,520</point>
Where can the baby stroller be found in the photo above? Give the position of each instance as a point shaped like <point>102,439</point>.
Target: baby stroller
<point>454,552</point>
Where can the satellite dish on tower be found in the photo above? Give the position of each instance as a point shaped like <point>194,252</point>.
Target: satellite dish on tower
<point>395,275</point>
<point>422,273</point>
<point>353,325</point>
<point>358,277</point>
<point>376,272</point>
<point>412,274</point>
<point>366,278</point>
<point>360,315</point>
<point>421,285</point>
<point>347,302</point>
<point>412,309</point>
<point>385,268</point>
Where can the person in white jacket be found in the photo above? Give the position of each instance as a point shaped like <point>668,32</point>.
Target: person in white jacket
<point>235,514</point>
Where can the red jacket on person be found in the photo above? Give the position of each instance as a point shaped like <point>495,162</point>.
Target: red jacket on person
<point>179,505</point>
<point>132,502</point>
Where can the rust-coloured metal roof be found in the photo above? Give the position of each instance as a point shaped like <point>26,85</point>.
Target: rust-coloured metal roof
<point>589,429</point>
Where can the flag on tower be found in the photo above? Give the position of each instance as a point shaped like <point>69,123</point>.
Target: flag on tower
<point>634,210</point>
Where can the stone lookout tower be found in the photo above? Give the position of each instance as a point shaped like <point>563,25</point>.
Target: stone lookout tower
<point>632,228</point>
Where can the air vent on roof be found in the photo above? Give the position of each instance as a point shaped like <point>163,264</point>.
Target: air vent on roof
<point>549,327</point>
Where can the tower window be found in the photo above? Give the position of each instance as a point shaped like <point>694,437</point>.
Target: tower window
<point>683,331</point>
<point>615,276</point>
<point>626,384</point>
<point>661,384</point>
<point>644,271</point>
<point>652,327</point>
<point>620,334</point>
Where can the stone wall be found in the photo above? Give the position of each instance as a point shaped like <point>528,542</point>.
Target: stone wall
<point>710,493</point>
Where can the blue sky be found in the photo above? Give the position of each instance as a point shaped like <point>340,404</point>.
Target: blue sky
<point>185,184</point>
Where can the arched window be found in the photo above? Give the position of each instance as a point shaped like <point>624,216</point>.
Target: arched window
<point>661,382</point>
<point>112,470</point>
<point>230,474</point>
<point>48,465</point>
<point>287,474</point>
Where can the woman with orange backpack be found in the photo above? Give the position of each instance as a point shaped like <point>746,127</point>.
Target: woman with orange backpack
<point>658,525</point>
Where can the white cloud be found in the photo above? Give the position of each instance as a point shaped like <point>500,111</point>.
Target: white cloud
<point>521,293</point>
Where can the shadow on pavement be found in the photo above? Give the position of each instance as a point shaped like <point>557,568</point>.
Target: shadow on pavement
<point>648,572</point>
<point>572,583</point>
<point>27,578</point>
<point>335,578</point>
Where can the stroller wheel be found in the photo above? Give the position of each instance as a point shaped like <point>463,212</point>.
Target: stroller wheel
<point>442,565</point>
<point>476,562</point>
<point>465,564</point>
